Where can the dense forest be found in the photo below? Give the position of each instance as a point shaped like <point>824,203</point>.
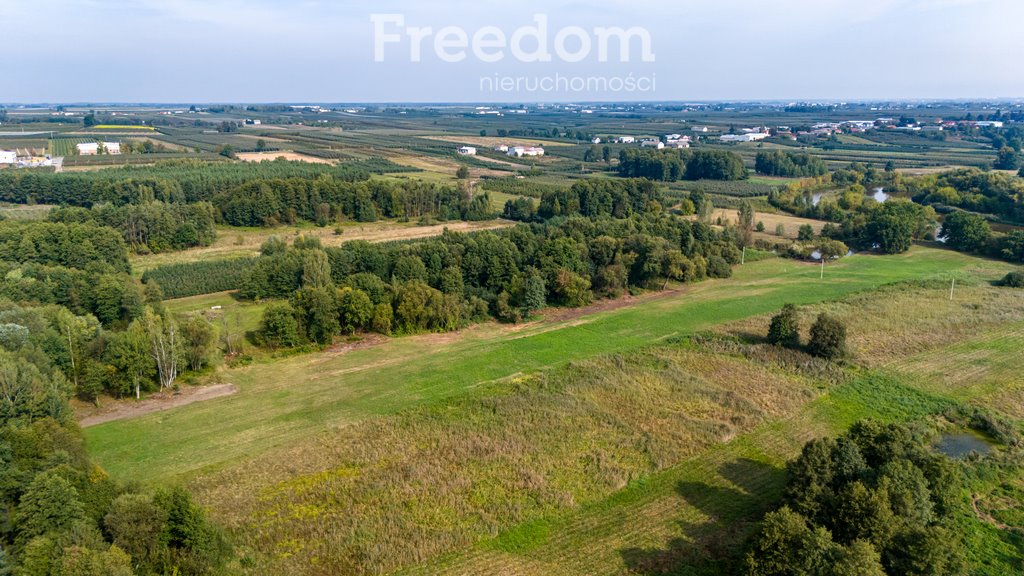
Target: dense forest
<point>781,163</point>
<point>264,194</point>
<point>670,165</point>
<point>616,198</point>
<point>445,283</point>
<point>74,323</point>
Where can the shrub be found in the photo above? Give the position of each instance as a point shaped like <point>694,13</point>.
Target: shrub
<point>828,337</point>
<point>785,328</point>
<point>718,267</point>
<point>1014,279</point>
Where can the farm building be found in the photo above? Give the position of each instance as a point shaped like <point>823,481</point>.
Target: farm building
<point>8,157</point>
<point>501,148</point>
<point>751,137</point>
<point>467,150</point>
<point>625,140</point>
<point>93,148</point>
<point>525,151</point>
<point>595,141</point>
<point>653,144</point>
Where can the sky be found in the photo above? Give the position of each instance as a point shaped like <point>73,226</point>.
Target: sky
<point>184,51</point>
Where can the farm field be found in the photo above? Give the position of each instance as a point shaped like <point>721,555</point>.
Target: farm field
<point>305,440</point>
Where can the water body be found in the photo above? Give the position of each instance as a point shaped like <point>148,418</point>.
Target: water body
<point>962,444</point>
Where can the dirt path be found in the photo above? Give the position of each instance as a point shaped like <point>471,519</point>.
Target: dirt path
<point>121,409</point>
<point>988,518</point>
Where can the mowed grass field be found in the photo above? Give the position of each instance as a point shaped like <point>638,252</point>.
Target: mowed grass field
<point>458,454</point>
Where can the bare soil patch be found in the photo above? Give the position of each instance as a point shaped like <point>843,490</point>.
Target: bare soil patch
<point>121,409</point>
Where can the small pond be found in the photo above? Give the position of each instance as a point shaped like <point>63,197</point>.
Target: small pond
<point>962,444</point>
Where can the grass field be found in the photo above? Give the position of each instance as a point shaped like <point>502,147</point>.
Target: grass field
<point>570,446</point>
<point>342,386</point>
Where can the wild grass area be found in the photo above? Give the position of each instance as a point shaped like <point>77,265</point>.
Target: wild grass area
<point>590,467</point>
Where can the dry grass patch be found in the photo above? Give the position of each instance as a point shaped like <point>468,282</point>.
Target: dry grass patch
<point>396,491</point>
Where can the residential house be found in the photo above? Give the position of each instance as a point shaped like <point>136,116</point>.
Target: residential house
<point>8,157</point>
<point>467,150</point>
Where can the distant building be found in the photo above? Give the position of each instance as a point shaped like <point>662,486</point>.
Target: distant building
<point>699,129</point>
<point>519,151</point>
<point>625,140</point>
<point>8,157</point>
<point>653,144</point>
<point>751,137</point>
<point>989,124</point>
<point>501,148</point>
<point>670,137</point>
<point>93,148</point>
<point>467,151</point>
<point>595,141</point>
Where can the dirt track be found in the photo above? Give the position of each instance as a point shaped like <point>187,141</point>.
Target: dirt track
<point>120,410</point>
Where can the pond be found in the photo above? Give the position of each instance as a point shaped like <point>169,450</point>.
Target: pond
<point>962,444</point>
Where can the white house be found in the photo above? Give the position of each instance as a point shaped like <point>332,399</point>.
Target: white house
<point>519,151</point>
<point>113,148</point>
<point>625,140</point>
<point>670,137</point>
<point>987,124</point>
<point>467,150</point>
<point>595,141</point>
<point>653,144</point>
<point>8,157</point>
<point>501,148</point>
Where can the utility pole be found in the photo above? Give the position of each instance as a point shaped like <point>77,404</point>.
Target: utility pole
<point>952,287</point>
<point>822,266</point>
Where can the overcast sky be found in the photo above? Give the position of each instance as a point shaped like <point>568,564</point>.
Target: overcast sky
<point>322,51</point>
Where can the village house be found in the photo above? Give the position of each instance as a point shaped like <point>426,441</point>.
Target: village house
<point>467,150</point>
<point>8,157</point>
<point>653,144</point>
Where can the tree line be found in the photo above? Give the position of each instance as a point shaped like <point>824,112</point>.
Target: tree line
<point>448,282</point>
<point>789,164</point>
<point>672,165</point>
<point>591,198</point>
<point>153,226</point>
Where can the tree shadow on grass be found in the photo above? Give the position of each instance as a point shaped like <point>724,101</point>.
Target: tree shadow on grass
<point>714,546</point>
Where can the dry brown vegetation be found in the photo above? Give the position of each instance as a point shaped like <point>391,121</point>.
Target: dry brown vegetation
<point>388,493</point>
